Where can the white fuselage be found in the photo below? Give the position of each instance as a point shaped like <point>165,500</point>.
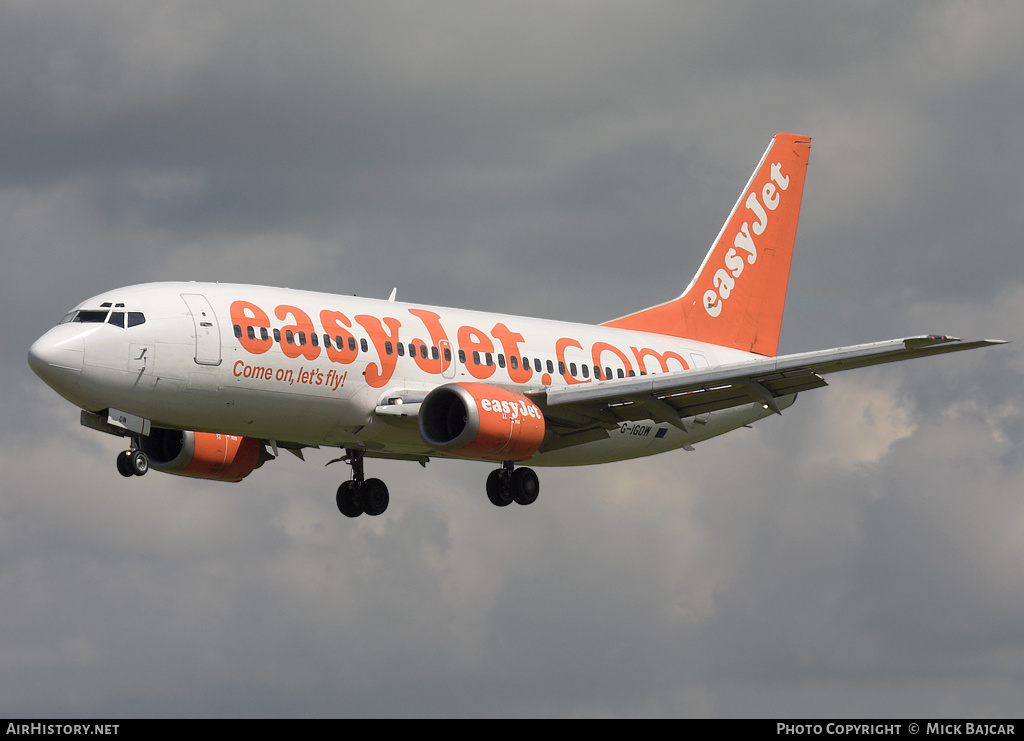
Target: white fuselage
<point>312,368</point>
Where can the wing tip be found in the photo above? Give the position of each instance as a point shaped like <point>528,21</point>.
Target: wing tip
<point>931,340</point>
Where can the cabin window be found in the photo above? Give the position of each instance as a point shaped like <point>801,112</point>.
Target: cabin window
<point>433,353</point>
<point>388,348</point>
<point>501,360</point>
<point>447,355</point>
<point>462,356</point>
<point>513,362</point>
<point>561,367</point>
<point>423,352</point>
<point>586,371</point>
<point>289,336</point>
<point>476,357</point>
<point>401,350</point>
<point>238,332</point>
<point>619,372</point>
<point>351,344</point>
<point>363,346</point>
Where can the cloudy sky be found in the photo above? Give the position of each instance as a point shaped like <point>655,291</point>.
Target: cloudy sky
<point>858,556</point>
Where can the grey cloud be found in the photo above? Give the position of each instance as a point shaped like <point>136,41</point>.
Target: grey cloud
<point>855,556</point>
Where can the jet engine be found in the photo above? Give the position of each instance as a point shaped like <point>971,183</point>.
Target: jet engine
<point>202,455</point>
<point>476,420</point>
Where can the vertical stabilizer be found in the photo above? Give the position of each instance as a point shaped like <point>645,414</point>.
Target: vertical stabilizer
<point>738,295</point>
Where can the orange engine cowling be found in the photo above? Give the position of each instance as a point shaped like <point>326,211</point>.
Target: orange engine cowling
<point>475,420</point>
<point>202,455</point>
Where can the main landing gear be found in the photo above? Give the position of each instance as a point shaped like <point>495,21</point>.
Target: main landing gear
<point>358,495</point>
<point>505,485</point>
<point>133,462</point>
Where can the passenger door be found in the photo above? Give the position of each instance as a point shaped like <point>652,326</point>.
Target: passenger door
<point>207,329</point>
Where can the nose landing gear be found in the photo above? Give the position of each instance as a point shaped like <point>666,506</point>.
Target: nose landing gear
<point>133,462</point>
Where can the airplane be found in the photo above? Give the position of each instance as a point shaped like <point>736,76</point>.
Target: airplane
<point>212,380</point>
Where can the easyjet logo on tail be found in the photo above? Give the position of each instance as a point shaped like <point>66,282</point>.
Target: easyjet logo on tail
<point>744,247</point>
<point>739,293</point>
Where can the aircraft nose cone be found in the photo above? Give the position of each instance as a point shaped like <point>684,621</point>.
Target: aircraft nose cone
<point>56,360</point>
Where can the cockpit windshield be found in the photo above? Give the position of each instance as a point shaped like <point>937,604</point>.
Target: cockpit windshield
<point>88,316</point>
<point>99,316</point>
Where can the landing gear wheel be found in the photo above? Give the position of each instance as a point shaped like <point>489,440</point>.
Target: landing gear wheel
<point>525,486</point>
<point>348,499</point>
<point>498,489</point>
<point>124,466</point>
<point>139,463</point>
<point>373,495</point>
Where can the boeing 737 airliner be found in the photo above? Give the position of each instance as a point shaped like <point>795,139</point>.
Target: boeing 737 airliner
<point>211,380</point>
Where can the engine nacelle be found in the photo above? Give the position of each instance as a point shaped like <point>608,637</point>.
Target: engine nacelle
<point>476,420</point>
<point>202,455</point>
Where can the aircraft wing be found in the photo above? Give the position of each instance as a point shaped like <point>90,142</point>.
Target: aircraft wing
<point>670,397</point>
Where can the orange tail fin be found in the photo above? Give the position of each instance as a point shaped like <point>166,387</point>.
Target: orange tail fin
<point>737,297</point>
